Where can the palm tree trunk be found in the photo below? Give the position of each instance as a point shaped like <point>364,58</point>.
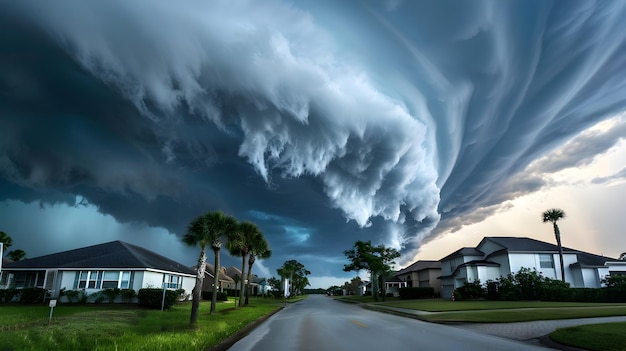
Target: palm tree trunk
<point>557,233</point>
<point>243,274</point>
<point>216,280</point>
<point>248,286</point>
<point>195,304</point>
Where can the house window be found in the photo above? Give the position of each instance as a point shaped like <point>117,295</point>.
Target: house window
<point>103,279</point>
<point>172,281</point>
<point>110,280</point>
<point>546,261</point>
<point>126,280</point>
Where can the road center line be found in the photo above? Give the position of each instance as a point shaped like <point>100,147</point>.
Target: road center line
<point>358,323</point>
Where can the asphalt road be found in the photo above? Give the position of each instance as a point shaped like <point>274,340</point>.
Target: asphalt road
<point>321,323</point>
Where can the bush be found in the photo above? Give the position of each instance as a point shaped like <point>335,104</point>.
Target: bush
<point>111,294</point>
<point>471,290</point>
<point>72,295</point>
<point>615,281</point>
<point>128,295</point>
<point>33,295</point>
<point>7,295</point>
<point>152,298</point>
<point>416,293</point>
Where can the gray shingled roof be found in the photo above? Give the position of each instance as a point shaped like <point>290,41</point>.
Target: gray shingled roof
<point>466,251</point>
<point>115,254</point>
<point>420,265</point>
<point>524,244</point>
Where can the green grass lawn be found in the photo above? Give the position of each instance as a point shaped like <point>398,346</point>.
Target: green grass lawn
<point>438,305</point>
<point>594,337</point>
<point>506,311</point>
<point>124,327</point>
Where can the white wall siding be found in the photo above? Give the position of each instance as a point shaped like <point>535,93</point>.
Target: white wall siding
<point>152,280</point>
<point>590,278</point>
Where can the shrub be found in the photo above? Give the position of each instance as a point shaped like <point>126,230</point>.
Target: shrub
<point>33,295</point>
<point>98,297</point>
<point>471,290</point>
<point>152,298</point>
<point>128,295</point>
<point>7,295</point>
<point>416,293</point>
<point>72,295</point>
<point>111,294</point>
<point>615,281</point>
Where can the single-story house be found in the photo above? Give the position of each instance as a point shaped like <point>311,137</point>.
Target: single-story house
<point>423,273</point>
<point>115,264</point>
<point>496,257</point>
<point>393,284</point>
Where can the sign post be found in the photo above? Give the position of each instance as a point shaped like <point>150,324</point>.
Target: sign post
<point>52,304</point>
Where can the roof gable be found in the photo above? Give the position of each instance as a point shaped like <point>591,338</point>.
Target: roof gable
<point>420,265</point>
<point>465,251</point>
<point>523,244</point>
<point>114,254</point>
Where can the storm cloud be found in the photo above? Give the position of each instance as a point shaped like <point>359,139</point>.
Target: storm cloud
<point>324,122</point>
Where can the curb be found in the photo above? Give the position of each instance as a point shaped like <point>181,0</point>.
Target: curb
<point>231,340</point>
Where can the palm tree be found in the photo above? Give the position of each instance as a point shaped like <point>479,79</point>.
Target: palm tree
<point>207,229</point>
<point>259,248</point>
<point>240,246</point>
<point>197,235</point>
<point>6,240</point>
<point>553,215</point>
<point>224,227</point>
<point>16,255</point>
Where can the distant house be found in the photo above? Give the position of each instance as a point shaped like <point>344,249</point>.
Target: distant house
<point>393,284</point>
<point>224,282</point>
<point>495,257</point>
<point>116,264</point>
<point>423,273</point>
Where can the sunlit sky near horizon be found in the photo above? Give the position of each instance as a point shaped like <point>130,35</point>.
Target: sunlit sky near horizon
<point>420,125</point>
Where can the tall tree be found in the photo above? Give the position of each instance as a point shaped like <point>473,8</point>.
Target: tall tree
<point>259,248</point>
<point>224,227</point>
<point>198,235</point>
<point>377,260</point>
<point>205,230</point>
<point>297,275</point>
<point>240,246</point>
<point>553,215</point>
<point>16,255</point>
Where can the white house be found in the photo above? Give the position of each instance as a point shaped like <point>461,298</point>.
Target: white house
<point>110,265</point>
<point>494,257</point>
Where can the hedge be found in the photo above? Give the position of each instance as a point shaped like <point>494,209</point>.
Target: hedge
<point>208,295</point>
<point>416,293</point>
<point>152,298</point>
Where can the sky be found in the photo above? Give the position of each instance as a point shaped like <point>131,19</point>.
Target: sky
<point>420,125</point>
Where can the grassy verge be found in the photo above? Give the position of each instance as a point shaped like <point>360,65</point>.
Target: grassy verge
<point>594,337</point>
<point>524,315</point>
<point>447,305</point>
<point>506,311</point>
<point>117,327</point>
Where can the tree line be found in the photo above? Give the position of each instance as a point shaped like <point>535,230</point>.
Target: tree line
<point>241,239</point>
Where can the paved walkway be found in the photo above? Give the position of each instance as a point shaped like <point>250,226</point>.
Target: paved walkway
<point>534,332</point>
